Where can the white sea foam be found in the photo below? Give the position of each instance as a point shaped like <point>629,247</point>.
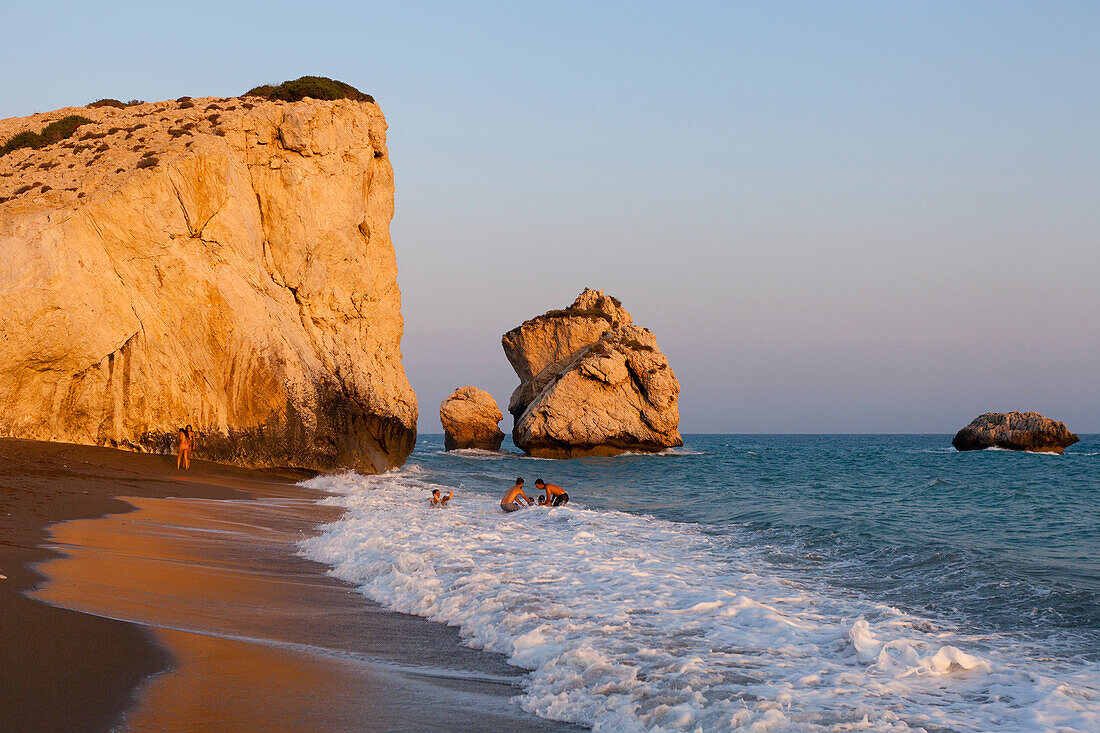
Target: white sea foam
<point>628,622</point>
<point>480,454</point>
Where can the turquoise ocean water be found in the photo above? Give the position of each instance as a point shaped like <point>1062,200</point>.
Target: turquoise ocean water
<point>832,582</point>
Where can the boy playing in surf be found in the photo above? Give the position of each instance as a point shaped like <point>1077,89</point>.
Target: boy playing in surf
<point>510,502</point>
<point>438,500</point>
<point>555,495</point>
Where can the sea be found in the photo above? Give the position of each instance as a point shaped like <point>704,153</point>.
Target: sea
<point>754,582</point>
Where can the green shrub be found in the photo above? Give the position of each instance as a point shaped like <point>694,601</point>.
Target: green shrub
<point>62,129</point>
<point>578,313</point>
<point>25,139</point>
<point>54,132</point>
<point>317,87</point>
<point>107,103</point>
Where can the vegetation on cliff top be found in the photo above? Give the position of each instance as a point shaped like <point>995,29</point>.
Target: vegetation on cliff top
<point>54,132</point>
<point>315,87</point>
<point>117,104</point>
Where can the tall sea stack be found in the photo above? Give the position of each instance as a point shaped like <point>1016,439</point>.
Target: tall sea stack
<point>592,383</point>
<point>224,263</point>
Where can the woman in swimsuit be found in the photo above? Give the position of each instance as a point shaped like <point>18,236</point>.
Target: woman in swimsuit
<point>187,441</point>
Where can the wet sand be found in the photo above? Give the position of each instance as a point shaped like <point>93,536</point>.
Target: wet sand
<point>193,613</point>
<point>60,670</point>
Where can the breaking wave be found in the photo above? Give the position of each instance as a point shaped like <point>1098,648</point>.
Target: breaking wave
<point>629,622</point>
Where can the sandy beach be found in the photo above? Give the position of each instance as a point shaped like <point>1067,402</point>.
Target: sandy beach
<point>182,606</point>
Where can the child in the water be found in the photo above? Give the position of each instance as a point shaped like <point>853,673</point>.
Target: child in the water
<point>439,500</point>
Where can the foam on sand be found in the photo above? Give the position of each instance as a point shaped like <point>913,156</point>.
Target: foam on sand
<point>628,622</point>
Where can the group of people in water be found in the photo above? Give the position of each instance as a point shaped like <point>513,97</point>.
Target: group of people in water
<point>514,499</point>
<point>554,496</point>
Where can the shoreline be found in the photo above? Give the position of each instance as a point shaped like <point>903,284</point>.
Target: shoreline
<point>183,604</point>
<point>62,669</point>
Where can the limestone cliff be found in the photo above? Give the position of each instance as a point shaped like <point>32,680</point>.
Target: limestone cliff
<point>591,383</point>
<point>220,262</point>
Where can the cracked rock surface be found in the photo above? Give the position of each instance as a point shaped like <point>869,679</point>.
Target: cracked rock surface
<point>1024,431</point>
<point>592,383</point>
<point>243,282</point>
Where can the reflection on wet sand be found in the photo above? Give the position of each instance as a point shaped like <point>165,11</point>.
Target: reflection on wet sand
<point>262,639</point>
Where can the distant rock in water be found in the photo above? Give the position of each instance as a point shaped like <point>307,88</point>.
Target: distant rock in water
<point>220,262</point>
<point>1026,431</point>
<point>592,383</point>
<point>471,418</point>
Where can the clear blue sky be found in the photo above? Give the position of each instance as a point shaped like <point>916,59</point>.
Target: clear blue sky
<point>865,217</point>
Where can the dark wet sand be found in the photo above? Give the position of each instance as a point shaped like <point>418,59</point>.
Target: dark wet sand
<point>193,613</point>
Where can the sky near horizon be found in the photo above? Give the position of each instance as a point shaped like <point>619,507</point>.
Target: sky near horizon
<point>835,217</point>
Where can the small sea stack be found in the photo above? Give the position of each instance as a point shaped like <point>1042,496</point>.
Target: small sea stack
<point>471,419</point>
<point>592,383</point>
<point>1023,431</point>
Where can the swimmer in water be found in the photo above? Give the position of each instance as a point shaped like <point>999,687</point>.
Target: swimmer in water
<point>555,495</point>
<point>439,500</point>
<point>510,502</point>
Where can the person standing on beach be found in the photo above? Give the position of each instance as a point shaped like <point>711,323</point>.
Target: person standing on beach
<point>187,442</point>
<point>555,495</point>
<point>510,502</point>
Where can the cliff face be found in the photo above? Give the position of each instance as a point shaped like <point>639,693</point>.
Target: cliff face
<point>592,383</point>
<point>217,262</point>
